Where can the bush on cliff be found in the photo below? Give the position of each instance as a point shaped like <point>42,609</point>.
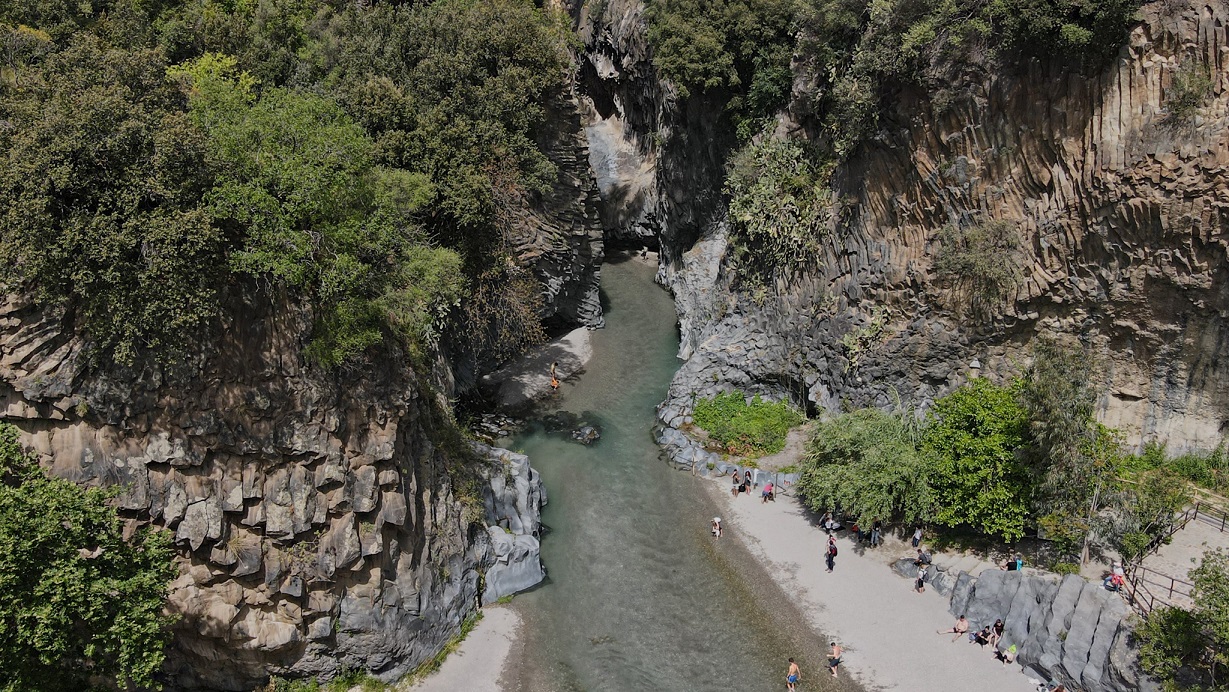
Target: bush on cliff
<point>746,428</point>
<point>79,603</point>
<point>363,158</point>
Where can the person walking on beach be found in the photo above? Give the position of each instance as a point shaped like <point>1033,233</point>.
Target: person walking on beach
<point>831,553</point>
<point>917,536</point>
<point>876,533</point>
<point>834,659</point>
<point>793,676</point>
<point>920,584</point>
<point>716,527</point>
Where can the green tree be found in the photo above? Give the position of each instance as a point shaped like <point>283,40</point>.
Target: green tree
<point>974,437</point>
<point>1197,638</point>
<point>295,180</point>
<point>78,602</point>
<point>866,464</point>
<point>102,183</point>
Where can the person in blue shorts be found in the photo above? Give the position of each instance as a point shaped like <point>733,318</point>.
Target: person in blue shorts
<point>793,675</point>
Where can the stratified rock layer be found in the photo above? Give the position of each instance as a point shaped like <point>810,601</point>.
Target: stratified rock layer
<point>317,515</point>
<point>1123,211</point>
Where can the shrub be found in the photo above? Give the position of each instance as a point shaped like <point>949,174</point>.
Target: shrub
<point>1065,568</point>
<point>80,606</point>
<point>748,429</point>
<point>984,259</point>
<point>866,464</point>
<point>974,436</point>
<point>1190,88</point>
<point>1169,638</point>
<point>778,206</point>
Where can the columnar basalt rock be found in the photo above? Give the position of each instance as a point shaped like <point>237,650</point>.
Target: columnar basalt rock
<point>1065,628</point>
<point>1122,209</point>
<point>319,517</point>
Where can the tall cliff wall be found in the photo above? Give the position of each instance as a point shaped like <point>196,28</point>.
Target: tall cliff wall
<point>1123,212</point>
<point>323,520</point>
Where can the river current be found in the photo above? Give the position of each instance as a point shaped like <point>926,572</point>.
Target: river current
<point>639,596</point>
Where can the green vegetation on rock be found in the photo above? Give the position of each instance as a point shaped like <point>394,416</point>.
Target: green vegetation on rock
<point>362,161</point>
<point>745,428</point>
<point>80,604</point>
<point>1001,461</point>
<point>1188,648</point>
<point>778,200</point>
<point>983,259</point>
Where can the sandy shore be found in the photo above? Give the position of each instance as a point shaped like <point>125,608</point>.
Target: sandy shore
<point>479,663</point>
<point>888,631</point>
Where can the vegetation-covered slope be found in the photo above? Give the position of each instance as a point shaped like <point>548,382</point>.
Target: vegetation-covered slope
<point>355,158</point>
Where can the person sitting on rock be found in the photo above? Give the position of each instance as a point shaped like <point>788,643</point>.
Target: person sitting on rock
<point>1008,656</point>
<point>982,637</point>
<point>766,494</point>
<point>996,633</point>
<point>923,557</point>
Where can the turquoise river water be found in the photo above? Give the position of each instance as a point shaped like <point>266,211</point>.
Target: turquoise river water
<point>639,595</point>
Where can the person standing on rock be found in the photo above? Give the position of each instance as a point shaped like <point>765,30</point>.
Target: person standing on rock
<point>834,659</point>
<point>793,676</point>
<point>554,377</point>
<point>830,557</point>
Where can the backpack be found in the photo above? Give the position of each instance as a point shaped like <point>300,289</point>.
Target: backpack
<point>832,550</point>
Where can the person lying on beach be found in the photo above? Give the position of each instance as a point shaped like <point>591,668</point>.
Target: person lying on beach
<point>1008,656</point>
<point>960,629</point>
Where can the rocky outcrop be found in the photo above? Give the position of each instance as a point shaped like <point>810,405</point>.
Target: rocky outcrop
<point>1065,628</point>
<point>322,520</point>
<point>517,385</point>
<point>1122,210</point>
<point>559,234</point>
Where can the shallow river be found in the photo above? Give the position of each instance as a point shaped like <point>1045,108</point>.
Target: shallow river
<point>638,597</point>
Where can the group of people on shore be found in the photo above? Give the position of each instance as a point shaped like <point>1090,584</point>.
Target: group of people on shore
<point>744,484</point>
<point>990,635</point>
<point>794,674</point>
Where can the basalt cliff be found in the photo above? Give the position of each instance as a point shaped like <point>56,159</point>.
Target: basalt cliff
<point>1123,211</point>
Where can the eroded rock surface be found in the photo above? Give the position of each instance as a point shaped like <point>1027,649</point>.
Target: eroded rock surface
<point>318,516</point>
<point>1122,210</point>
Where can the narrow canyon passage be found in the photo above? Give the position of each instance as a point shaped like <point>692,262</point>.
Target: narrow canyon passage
<point>638,596</point>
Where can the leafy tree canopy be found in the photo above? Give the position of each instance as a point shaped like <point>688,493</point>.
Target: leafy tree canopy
<point>78,602</point>
<point>866,464</point>
<point>974,437</point>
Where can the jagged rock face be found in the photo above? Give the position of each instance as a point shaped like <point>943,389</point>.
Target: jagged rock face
<point>1069,630</point>
<point>315,514</point>
<point>559,235</point>
<point>1123,212</point>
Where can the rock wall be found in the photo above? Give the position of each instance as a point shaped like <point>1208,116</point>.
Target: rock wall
<point>322,520</point>
<point>1122,210</point>
<point>1066,629</point>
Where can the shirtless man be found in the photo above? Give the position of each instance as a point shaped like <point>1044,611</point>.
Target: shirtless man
<point>793,675</point>
<point>834,660</point>
<point>961,628</point>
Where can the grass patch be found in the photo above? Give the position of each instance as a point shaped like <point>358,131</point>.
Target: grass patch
<point>431,665</point>
<point>745,428</point>
<point>344,682</point>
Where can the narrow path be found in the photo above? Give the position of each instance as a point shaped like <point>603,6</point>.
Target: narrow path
<point>476,666</point>
<point>888,631</point>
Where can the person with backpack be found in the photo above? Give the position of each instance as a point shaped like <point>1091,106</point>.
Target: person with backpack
<point>831,556</point>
